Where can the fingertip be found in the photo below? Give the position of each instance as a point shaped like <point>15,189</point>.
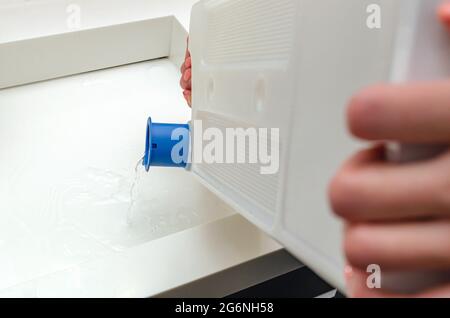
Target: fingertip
<point>187,75</point>
<point>349,189</point>
<point>183,83</point>
<point>188,96</point>
<point>357,285</point>
<point>341,193</point>
<point>444,13</point>
<point>349,280</point>
<point>357,243</point>
<point>364,112</point>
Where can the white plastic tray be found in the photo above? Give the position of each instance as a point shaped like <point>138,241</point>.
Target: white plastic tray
<point>68,148</point>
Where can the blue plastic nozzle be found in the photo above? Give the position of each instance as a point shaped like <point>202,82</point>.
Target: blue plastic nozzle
<point>167,145</point>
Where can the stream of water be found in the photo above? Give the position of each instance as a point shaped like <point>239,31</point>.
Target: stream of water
<point>134,191</point>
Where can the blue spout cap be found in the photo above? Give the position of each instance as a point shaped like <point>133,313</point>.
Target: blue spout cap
<point>166,145</point>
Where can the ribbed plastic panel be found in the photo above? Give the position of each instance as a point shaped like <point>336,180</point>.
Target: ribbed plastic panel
<point>260,189</point>
<point>249,31</point>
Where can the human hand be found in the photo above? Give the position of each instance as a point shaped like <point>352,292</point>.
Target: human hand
<point>186,76</point>
<point>398,216</point>
<point>444,14</point>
